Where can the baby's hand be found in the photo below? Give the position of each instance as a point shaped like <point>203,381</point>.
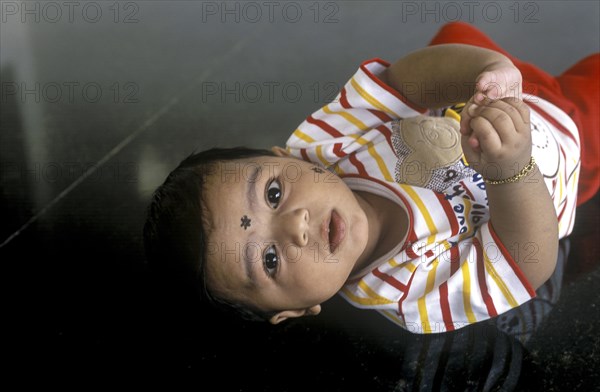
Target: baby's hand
<point>497,142</point>
<point>498,80</point>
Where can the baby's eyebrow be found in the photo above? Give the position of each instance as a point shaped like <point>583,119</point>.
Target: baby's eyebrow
<point>251,186</point>
<point>248,260</point>
<point>251,200</point>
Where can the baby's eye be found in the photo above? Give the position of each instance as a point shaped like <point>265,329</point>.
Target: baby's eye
<point>273,193</point>
<point>271,261</point>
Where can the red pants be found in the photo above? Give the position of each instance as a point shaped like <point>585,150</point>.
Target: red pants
<point>576,92</point>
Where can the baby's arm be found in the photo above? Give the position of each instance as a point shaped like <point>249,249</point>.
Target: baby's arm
<point>521,213</point>
<point>442,75</point>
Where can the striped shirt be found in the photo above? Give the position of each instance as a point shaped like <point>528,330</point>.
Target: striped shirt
<point>451,270</point>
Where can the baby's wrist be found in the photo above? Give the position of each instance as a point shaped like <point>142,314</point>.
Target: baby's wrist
<point>519,176</point>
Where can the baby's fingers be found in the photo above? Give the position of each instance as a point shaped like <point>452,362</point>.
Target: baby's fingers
<point>519,112</point>
<point>509,116</point>
<point>471,110</point>
<point>486,85</point>
<point>487,139</point>
<point>465,118</point>
<point>501,122</point>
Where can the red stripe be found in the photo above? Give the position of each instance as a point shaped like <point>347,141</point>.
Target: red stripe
<point>449,213</point>
<point>377,113</point>
<point>564,204</point>
<point>358,164</point>
<point>454,260</point>
<point>389,280</point>
<point>564,156</point>
<point>445,306</point>
<point>411,238</point>
<point>344,99</point>
<point>387,133</point>
<point>324,126</point>
<point>389,89</point>
<point>554,181</point>
<point>381,115</point>
<point>337,150</point>
<point>567,180</point>
<point>444,302</point>
<point>562,211</point>
<point>487,299</point>
<point>411,253</point>
<point>401,300</point>
<point>511,262</point>
<point>553,121</point>
<point>304,155</point>
<point>572,172</point>
<point>562,151</point>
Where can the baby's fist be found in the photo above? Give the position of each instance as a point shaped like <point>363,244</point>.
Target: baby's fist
<point>499,136</point>
<point>498,80</point>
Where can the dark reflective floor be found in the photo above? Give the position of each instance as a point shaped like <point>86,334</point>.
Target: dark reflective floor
<point>100,100</point>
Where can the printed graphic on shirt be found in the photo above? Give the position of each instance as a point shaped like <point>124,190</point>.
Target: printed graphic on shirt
<point>546,145</point>
<point>429,152</point>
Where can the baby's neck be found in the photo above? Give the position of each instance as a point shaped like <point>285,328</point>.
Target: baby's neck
<point>388,224</point>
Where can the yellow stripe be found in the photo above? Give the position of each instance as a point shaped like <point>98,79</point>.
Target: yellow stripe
<point>467,211</point>
<point>467,291</point>
<point>446,245</point>
<point>359,139</point>
<point>321,157</point>
<point>337,169</point>
<point>496,277</point>
<point>560,186</point>
<point>452,114</point>
<point>411,267</point>
<point>375,299</point>
<point>574,182</point>
<point>370,99</point>
<point>408,265</point>
<point>350,118</point>
<point>301,135</point>
<point>421,301</point>
<point>560,199</point>
<point>371,293</point>
<point>424,212</point>
<point>380,163</point>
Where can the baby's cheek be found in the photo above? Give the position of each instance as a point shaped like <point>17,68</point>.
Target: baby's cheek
<point>306,272</point>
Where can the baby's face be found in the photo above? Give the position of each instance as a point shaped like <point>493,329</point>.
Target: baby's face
<point>272,227</point>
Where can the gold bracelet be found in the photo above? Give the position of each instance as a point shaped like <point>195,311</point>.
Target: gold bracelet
<point>525,171</point>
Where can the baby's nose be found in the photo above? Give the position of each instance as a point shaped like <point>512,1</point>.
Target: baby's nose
<point>296,227</point>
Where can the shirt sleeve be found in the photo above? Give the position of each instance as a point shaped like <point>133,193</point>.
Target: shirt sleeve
<point>342,126</point>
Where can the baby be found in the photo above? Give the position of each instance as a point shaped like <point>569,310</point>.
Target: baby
<point>395,195</point>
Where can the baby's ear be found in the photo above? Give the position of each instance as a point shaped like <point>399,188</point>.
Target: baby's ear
<point>280,151</point>
<point>286,314</point>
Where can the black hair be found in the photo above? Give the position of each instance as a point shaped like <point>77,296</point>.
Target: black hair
<point>175,233</point>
